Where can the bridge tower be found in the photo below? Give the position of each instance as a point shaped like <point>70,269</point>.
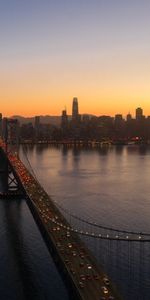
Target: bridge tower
<point>10,181</point>
<point>11,134</point>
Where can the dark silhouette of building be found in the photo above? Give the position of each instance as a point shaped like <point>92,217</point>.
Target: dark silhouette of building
<point>64,119</point>
<point>27,132</point>
<point>139,113</point>
<point>85,128</point>
<point>129,117</point>
<point>64,123</point>
<point>118,118</point>
<point>37,127</point>
<point>75,110</point>
<point>119,128</point>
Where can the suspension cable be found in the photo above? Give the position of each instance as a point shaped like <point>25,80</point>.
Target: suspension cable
<point>98,225</point>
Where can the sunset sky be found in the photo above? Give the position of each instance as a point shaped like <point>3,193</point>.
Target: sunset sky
<point>54,50</point>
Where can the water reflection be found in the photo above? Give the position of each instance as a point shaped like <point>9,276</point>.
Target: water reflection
<point>27,269</point>
<point>119,149</point>
<point>15,243</point>
<point>111,175</point>
<point>65,151</point>
<point>140,149</point>
<point>104,150</point>
<point>104,185</point>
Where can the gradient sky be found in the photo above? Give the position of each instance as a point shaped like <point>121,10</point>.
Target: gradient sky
<point>54,50</point>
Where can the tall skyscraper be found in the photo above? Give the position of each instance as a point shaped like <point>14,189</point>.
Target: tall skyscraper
<point>139,113</point>
<point>75,111</point>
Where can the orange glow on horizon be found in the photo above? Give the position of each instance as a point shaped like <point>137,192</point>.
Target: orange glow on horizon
<point>54,107</point>
<point>27,92</point>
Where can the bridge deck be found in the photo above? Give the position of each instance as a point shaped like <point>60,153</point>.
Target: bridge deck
<point>87,278</point>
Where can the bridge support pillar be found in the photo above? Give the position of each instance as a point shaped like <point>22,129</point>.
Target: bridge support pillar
<point>10,183</point>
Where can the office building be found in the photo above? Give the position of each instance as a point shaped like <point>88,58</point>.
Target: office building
<point>64,119</point>
<point>139,113</point>
<point>75,110</point>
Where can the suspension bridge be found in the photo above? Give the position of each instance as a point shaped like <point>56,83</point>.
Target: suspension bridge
<point>77,241</point>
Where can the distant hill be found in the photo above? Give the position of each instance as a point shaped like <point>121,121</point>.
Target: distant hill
<point>53,120</point>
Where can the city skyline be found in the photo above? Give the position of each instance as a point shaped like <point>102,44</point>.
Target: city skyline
<point>52,51</point>
<point>75,99</point>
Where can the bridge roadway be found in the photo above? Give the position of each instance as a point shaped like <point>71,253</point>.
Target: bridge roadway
<point>88,281</point>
